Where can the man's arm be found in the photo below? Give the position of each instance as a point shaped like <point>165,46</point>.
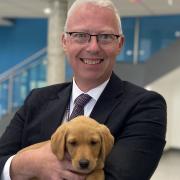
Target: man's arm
<point>10,142</point>
<point>43,164</point>
<point>138,149</point>
<point>40,162</point>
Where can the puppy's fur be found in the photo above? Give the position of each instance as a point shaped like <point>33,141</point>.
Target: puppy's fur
<point>86,142</point>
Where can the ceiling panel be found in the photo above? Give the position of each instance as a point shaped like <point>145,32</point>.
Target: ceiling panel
<point>22,8</point>
<point>162,6</point>
<point>34,8</point>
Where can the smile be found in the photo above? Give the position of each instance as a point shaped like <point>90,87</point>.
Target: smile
<point>91,61</point>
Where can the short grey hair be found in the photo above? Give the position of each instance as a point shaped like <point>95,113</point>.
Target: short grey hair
<point>101,3</point>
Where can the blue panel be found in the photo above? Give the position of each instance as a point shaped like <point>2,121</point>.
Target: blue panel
<point>155,33</point>
<point>69,72</point>
<point>20,89</point>
<point>128,29</point>
<point>4,98</point>
<point>26,80</point>
<point>23,39</point>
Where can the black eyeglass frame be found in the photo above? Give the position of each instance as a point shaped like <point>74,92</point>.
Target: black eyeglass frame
<point>90,35</point>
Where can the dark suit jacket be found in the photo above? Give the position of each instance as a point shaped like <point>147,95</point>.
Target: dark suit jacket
<point>136,117</point>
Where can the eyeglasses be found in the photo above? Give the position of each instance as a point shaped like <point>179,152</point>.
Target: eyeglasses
<point>82,37</point>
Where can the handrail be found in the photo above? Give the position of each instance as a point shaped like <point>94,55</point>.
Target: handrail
<point>10,96</point>
<point>28,60</point>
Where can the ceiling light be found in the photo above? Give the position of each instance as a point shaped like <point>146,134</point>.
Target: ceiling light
<point>170,2</point>
<point>47,10</point>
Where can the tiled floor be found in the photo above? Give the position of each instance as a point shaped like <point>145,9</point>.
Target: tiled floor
<point>169,166</point>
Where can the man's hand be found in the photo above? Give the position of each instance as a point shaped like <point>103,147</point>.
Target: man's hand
<point>41,163</point>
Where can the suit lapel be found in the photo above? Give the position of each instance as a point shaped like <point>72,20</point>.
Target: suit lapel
<point>55,111</point>
<point>108,100</point>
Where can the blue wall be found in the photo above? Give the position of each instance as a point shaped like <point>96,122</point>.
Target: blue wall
<point>28,36</point>
<point>21,40</point>
<point>128,27</point>
<point>157,32</point>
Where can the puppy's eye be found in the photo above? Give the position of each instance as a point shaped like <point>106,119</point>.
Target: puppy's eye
<point>93,143</point>
<point>73,143</point>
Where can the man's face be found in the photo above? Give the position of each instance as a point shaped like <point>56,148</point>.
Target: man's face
<point>92,62</point>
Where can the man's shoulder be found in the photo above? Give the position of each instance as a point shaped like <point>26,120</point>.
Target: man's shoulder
<point>52,88</point>
<point>132,91</point>
<point>133,88</point>
<point>136,93</point>
<point>126,86</point>
<point>48,93</point>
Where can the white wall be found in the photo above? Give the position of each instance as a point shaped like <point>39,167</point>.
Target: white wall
<point>176,116</point>
<point>169,87</point>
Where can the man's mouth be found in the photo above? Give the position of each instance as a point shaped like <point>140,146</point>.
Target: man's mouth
<point>91,61</point>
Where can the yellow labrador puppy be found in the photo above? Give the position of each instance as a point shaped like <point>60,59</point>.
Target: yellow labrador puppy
<point>86,142</point>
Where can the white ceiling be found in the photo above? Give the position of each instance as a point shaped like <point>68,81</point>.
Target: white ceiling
<point>34,8</point>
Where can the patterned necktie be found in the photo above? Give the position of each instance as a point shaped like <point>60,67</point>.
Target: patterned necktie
<point>80,102</point>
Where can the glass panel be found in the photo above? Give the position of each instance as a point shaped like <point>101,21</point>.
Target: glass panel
<point>32,77</point>
<point>126,54</point>
<point>31,74</point>
<point>69,72</point>
<point>156,33</point>
<point>37,74</point>
<point>3,97</point>
<point>20,88</point>
<point>41,75</point>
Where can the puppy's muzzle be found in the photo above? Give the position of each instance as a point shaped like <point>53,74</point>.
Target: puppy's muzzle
<point>84,163</point>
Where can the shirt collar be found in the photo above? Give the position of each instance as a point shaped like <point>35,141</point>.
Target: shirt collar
<point>94,93</point>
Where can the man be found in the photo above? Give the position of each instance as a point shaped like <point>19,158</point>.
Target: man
<point>136,117</point>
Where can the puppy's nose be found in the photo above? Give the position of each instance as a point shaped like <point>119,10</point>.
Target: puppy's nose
<point>84,163</point>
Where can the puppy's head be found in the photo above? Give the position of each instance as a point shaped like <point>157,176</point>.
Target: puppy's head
<point>58,141</point>
<point>107,141</point>
<point>86,141</point>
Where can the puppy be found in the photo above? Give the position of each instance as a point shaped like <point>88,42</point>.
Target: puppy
<point>86,142</point>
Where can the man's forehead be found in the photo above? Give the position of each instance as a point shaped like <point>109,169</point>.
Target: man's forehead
<point>89,17</point>
<point>89,8</point>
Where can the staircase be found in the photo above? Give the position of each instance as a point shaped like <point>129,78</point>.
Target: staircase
<point>16,83</point>
<point>159,64</point>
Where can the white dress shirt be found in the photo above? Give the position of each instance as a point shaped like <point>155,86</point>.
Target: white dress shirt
<point>94,93</point>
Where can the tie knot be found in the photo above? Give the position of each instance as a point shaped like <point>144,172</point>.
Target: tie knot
<point>82,100</point>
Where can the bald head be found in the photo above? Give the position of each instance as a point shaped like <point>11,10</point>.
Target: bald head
<point>100,3</point>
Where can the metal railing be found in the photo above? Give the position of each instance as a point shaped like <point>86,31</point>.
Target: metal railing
<point>16,83</point>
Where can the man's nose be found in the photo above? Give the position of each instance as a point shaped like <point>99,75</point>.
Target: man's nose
<point>93,44</point>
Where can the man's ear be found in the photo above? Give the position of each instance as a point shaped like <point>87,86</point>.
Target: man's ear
<point>121,42</point>
<point>58,141</point>
<point>64,42</point>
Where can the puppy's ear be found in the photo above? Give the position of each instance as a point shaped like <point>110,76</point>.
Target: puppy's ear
<point>107,143</point>
<point>58,141</point>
